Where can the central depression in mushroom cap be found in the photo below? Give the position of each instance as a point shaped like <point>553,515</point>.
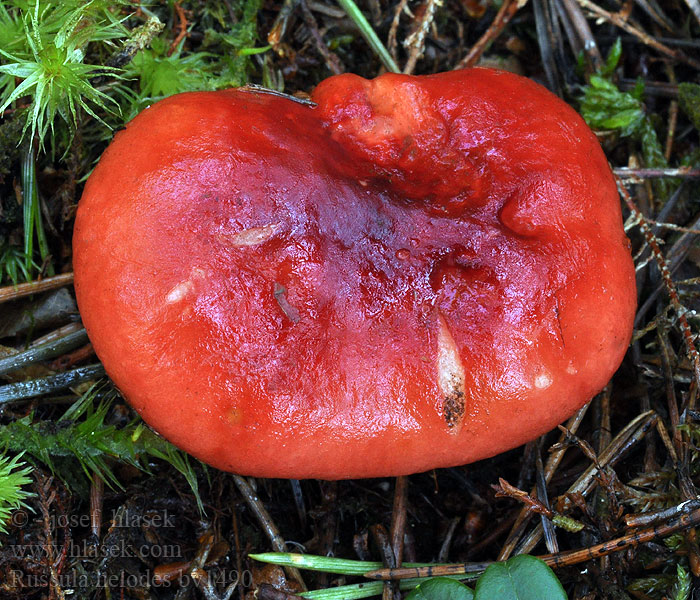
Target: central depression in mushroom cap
<point>417,272</point>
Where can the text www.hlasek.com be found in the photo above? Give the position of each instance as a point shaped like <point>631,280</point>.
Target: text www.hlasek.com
<point>86,550</point>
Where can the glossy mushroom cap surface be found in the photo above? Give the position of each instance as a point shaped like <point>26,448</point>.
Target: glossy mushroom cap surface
<point>418,272</point>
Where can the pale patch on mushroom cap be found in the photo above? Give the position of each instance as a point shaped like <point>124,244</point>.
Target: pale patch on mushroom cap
<point>185,287</point>
<point>249,237</point>
<point>543,380</point>
<point>450,376</point>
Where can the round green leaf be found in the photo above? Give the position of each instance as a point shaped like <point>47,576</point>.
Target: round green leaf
<point>441,588</point>
<point>519,578</point>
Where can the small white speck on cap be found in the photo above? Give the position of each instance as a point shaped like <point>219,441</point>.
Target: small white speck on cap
<point>543,380</point>
<point>179,292</point>
<point>185,287</point>
<point>249,237</point>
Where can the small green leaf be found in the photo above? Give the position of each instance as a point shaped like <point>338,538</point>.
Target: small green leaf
<point>600,83</point>
<point>623,119</point>
<point>682,588</point>
<point>441,588</point>
<point>613,59</point>
<point>654,586</point>
<point>567,523</point>
<point>252,51</point>
<point>605,107</point>
<point>519,578</point>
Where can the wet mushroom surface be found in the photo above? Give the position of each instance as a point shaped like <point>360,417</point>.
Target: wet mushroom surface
<point>413,272</point>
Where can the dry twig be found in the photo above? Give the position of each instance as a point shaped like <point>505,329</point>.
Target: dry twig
<point>331,58</point>
<point>553,463</point>
<point>265,520</point>
<point>678,307</point>
<point>181,28</point>
<point>617,20</point>
<point>415,42</point>
<point>14,292</point>
<point>503,17</point>
<point>561,559</point>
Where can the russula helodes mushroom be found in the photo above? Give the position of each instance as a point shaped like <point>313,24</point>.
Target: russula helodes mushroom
<point>417,272</point>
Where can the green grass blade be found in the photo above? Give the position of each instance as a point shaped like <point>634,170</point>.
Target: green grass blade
<point>369,34</point>
<point>33,224</point>
<point>29,200</point>
<point>347,592</point>
<point>342,566</point>
<point>356,591</point>
<point>324,564</point>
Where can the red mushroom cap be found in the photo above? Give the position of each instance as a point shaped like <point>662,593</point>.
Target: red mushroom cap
<point>418,272</point>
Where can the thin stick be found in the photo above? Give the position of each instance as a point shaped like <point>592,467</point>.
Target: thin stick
<point>69,360</point>
<point>662,225</point>
<point>677,173</point>
<point>43,352</point>
<point>668,280</point>
<point>550,536</point>
<point>391,39</point>
<point>415,42</point>
<point>181,27</point>
<point>647,519</point>
<point>604,437</point>
<point>672,122</point>
<point>547,41</point>
<point>447,542</point>
<point>14,292</point>
<point>266,522</point>
<point>47,385</point>
<point>694,6</point>
<point>645,38</point>
<point>398,518</point>
<point>629,436</point>
<point>623,543</point>
<point>553,462</point>
<point>580,25</point>
<point>503,17</point>
<point>605,428</point>
<point>560,559</point>
<point>97,488</point>
<point>331,58</point>
<point>672,114</point>
<point>381,538</point>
